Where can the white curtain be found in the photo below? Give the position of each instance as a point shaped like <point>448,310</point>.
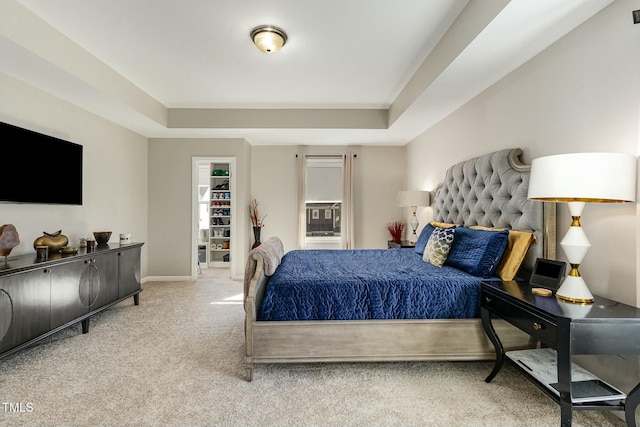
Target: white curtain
<point>347,233</point>
<point>302,202</point>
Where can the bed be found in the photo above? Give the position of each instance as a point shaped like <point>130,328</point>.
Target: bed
<point>487,192</point>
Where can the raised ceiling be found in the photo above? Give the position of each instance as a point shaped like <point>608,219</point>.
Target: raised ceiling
<point>352,72</point>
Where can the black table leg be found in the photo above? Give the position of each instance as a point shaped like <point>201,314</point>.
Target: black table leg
<point>566,414</point>
<point>563,367</point>
<point>633,399</point>
<point>85,325</point>
<point>493,337</point>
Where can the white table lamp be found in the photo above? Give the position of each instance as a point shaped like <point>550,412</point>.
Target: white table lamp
<point>414,199</point>
<point>577,179</point>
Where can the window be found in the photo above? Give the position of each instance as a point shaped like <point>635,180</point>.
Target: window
<point>326,201</point>
<point>322,201</point>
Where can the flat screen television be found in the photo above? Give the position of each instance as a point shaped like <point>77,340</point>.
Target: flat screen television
<point>38,168</point>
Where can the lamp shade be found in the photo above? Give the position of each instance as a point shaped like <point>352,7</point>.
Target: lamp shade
<point>414,198</point>
<point>584,177</point>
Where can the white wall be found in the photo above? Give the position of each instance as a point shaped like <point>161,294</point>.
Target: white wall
<point>115,171</point>
<point>378,176</point>
<point>579,95</point>
<point>170,203</point>
<point>638,210</point>
<point>582,94</point>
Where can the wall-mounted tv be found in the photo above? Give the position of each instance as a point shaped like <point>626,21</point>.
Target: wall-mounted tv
<point>38,168</point>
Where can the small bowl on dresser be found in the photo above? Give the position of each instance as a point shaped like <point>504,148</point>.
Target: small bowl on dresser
<point>68,250</point>
<point>102,237</point>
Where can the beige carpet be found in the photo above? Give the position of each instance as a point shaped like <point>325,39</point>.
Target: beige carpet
<point>177,360</point>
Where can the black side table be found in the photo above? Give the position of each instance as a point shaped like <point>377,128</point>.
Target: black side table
<point>604,327</point>
<point>403,244</point>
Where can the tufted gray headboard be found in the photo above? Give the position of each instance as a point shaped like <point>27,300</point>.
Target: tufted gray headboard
<point>491,191</point>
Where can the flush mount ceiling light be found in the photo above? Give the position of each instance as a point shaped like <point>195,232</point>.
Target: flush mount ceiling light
<point>268,38</point>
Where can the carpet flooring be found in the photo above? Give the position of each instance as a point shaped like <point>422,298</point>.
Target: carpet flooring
<point>177,360</point>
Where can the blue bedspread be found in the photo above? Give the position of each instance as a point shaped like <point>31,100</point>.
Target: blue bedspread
<point>367,284</point>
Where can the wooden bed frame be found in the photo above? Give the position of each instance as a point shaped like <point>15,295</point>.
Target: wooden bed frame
<point>387,340</point>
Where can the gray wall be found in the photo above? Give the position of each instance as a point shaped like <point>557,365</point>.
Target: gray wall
<point>268,174</point>
<point>115,171</point>
<point>170,202</point>
<point>378,176</point>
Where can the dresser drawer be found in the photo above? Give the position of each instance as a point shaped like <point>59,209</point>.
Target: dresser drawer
<point>536,326</point>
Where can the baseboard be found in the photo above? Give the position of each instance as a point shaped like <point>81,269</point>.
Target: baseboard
<point>177,279</point>
<point>166,279</point>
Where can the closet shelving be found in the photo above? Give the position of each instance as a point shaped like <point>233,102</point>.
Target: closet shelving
<point>220,215</point>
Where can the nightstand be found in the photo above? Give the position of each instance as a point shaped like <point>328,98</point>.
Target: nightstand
<point>403,244</point>
<point>564,329</point>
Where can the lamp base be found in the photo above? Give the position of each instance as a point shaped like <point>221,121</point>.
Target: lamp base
<point>575,290</point>
<point>575,245</point>
<point>414,238</point>
<point>414,225</point>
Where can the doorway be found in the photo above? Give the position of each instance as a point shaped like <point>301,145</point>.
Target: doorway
<point>213,207</point>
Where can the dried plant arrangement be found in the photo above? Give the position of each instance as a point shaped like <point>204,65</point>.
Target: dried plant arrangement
<point>254,214</point>
<point>395,229</point>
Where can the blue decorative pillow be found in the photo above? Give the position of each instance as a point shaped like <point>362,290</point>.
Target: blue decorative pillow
<point>477,252</point>
<point>423,238</point>
<point>438,246</point>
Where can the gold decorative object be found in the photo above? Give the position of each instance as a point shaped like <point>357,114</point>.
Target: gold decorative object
<point>9,239</point>
<point>55,241</point>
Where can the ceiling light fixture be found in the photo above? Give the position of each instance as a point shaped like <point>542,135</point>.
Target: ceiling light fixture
<point>268,38</point>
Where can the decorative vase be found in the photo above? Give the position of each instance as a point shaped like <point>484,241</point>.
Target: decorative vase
<point>102,237</point>
<point>55,241</point>
<point>9,239</point>
<point>256,237</point>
